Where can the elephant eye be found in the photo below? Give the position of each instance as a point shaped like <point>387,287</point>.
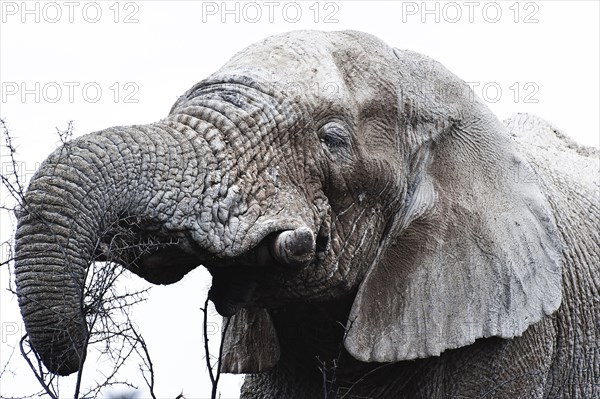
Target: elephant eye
<point>335,139</point>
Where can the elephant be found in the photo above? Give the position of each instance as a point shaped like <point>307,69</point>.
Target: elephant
<point>372,229</point>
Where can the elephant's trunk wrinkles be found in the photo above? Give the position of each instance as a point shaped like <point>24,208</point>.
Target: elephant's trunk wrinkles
<point>81,192</point>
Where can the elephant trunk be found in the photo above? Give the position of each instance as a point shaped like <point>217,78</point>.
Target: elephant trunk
<point>159,199</point>
<point>294,248</point>
<point>79,193</point>
<point>49,278</point>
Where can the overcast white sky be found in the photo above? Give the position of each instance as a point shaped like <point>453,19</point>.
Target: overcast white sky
<point>101,64</point>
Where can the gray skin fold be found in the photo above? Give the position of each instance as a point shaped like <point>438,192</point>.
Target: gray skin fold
<point>98,193</point>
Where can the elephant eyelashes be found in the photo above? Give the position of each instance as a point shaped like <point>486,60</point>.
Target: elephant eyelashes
<point>335,139</point>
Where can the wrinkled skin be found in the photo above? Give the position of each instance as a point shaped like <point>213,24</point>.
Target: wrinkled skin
<point>371,228</point>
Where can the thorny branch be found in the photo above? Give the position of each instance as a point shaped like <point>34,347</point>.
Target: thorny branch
<point>14,188</point>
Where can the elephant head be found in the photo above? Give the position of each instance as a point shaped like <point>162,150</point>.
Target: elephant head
<point>311,166</point>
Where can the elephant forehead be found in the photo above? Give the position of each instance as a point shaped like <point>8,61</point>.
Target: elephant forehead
<point>322,63</point>
<point>287,58</point>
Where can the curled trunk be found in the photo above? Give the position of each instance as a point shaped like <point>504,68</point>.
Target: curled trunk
<point>75,205</point>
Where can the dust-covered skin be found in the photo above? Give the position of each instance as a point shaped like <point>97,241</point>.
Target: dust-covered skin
<point>370,226</point>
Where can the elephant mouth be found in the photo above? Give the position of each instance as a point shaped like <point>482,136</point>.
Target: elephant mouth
<point>250,279</point>
<point>232,289</point>
<point>281,256</point>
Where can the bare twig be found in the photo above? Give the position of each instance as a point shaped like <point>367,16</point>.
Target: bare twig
<point>213,375</point>
<point>37,371</point>
<point>148,364</point>
<point>5,368</point>
<point>206,349</point>
<point>220,359</point>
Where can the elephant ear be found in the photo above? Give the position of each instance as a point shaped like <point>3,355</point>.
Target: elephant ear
<point>250,343</point>
<point>474,253</point>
